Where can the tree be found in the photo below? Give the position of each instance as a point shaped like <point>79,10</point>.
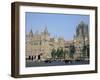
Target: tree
<point>58,52</point>
<point>72,51</point>
<point>53,53</point>
<point>64,53</point>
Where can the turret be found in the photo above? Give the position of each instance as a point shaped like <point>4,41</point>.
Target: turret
<point>46,30</point>
<point>31,33</point>
<point>82,29</point>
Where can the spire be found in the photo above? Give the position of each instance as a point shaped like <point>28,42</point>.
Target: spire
<point>31,33</point>
<point>46,30</point>
<point>82,22</point>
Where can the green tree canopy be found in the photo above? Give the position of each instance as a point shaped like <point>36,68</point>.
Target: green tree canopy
<point>72,51</point>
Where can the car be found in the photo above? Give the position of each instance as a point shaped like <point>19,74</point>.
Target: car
<point>68,61</point>
<point>47,61</point>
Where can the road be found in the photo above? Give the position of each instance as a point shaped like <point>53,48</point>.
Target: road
<point>54,63</point>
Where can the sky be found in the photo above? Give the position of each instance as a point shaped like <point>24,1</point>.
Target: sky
<point>59,25</point>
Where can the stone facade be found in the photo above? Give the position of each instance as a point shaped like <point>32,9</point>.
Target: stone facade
<point>39,45</point>
<point>81,40</point>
